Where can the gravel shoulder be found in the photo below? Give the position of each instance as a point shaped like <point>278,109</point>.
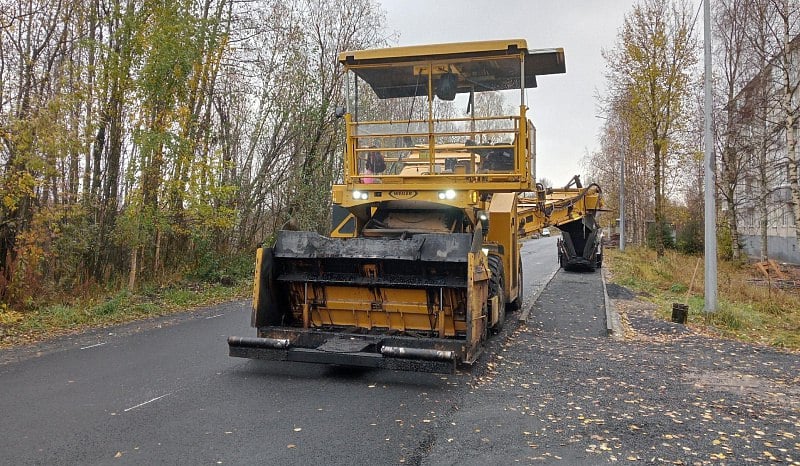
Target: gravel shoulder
<point>560,391</point>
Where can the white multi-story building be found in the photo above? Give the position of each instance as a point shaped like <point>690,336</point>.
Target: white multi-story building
<point>763,191</point>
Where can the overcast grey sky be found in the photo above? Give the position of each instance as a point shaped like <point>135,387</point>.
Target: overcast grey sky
<point>563,106</point>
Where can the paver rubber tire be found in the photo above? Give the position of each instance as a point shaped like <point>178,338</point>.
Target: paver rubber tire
<point>496,287</point>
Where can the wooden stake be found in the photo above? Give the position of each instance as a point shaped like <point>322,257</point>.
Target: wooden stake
<point>691,283</point>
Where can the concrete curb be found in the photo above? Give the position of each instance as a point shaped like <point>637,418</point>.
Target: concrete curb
<point>613,324</point>
<point>523,317</point>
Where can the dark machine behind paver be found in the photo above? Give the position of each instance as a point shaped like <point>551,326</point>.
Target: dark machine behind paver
<point>559,393</point>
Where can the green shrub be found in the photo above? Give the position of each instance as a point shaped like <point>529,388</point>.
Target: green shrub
<point>180,297</point>
<point>678,288</point>
<point>112,306</point>
<point>214,268</point>
<point>724,242</point>
<point>690,238</point>
<point>666,234</point>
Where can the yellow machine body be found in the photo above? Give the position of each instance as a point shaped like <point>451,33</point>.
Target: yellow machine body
<point>425,260</point>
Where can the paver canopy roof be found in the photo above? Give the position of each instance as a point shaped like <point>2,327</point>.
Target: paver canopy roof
<point>478,66</point>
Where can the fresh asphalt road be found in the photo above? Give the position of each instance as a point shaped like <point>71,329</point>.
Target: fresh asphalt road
<point>165,391</point>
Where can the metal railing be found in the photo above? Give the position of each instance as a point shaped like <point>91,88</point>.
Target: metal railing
<point>460,149</point>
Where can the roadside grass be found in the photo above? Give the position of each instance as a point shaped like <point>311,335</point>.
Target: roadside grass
<point>29,326</point>
<point>746,311</point>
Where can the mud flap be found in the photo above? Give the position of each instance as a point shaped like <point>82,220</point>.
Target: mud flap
<point>266,307</point>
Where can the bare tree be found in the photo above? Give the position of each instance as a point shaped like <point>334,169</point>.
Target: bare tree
<point>651,62</point>
<point>619,141</point>
<point>160,137</point>
<point>731,24</point>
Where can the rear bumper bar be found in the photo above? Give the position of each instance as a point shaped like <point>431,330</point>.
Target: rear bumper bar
<point>394,353</point>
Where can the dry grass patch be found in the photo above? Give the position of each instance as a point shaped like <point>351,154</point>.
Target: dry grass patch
<point>30,326</point>
<point>746,310</point>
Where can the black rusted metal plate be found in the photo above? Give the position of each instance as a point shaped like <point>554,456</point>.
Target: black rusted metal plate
<point>344,345</point>
<point>451,247</point>
<point>385,281</point>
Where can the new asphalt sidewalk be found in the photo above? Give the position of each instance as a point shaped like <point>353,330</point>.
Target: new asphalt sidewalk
<point>561,391</point>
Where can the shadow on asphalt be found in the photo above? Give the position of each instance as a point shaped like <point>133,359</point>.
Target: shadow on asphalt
<point>274,370</point>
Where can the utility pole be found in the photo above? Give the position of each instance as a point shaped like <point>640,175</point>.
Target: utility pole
<point>710,242</point>
<point>622,202</point>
